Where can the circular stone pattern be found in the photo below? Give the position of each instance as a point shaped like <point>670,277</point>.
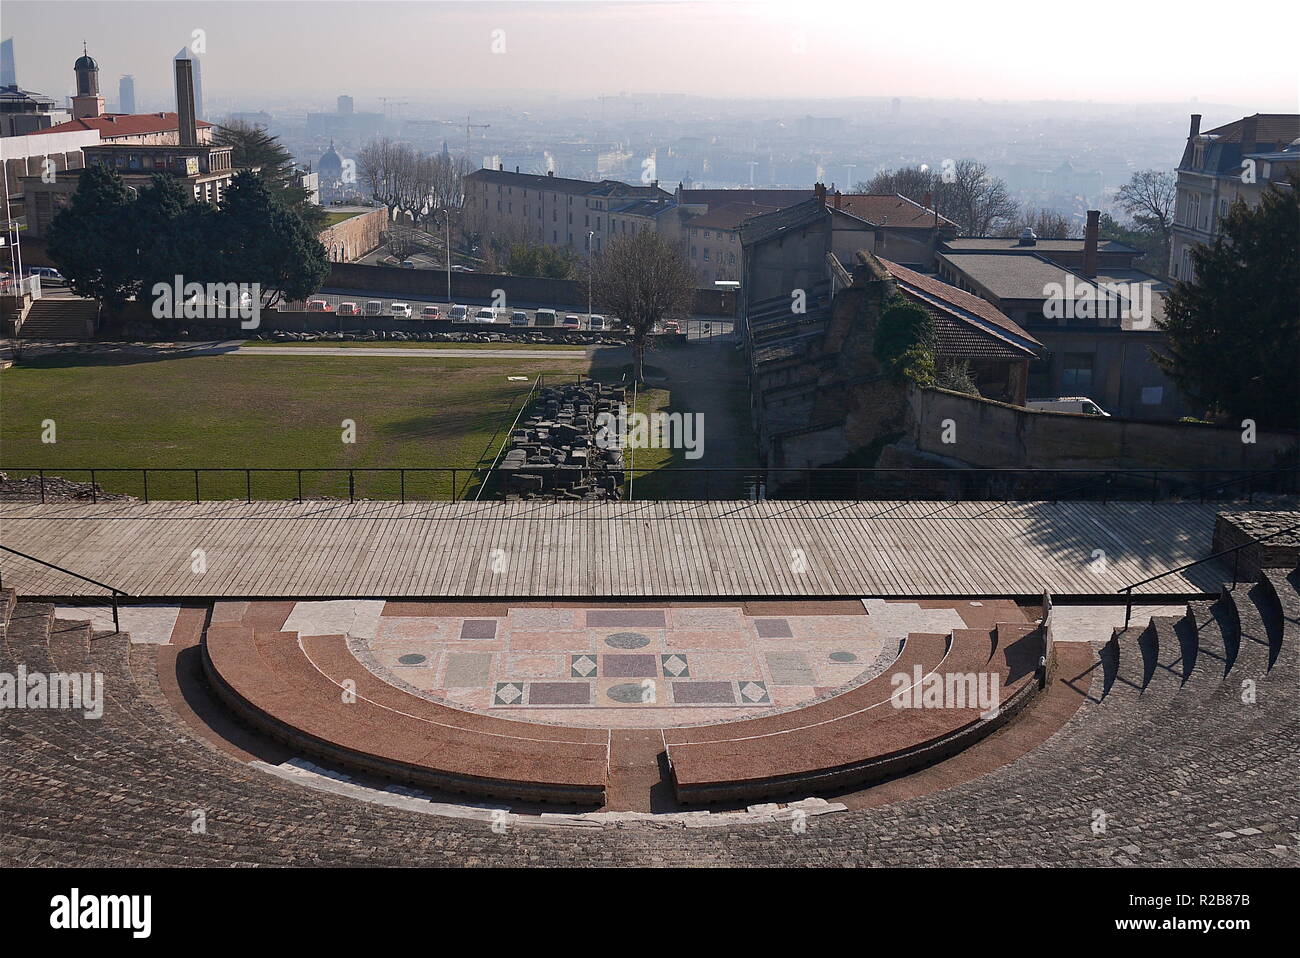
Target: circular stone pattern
<point>627,640</point>
<point>843,657</point>
<point>628,692</point>
<point>411,659</point>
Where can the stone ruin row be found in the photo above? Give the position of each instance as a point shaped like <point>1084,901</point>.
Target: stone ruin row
<point>553,453</point>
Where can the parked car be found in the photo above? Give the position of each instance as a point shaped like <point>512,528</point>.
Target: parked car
<point>461,269</point>
<point>349,309</point>
<point>595,321</point>
<point>458,314</point>
<point>671,327</point>
<point>374,307</point>
<point>401,310</point>
<point>319,306</point>
<point>1077,404</point>
<point>407,264</point>
<point>518,318</point>
<point>430,312</point>
<point>572,322</point>
<point>486,315</point>
<point>49,275</point>
<point>544,317</point>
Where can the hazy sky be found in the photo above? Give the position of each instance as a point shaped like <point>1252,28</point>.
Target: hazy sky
<point>1107,50</point>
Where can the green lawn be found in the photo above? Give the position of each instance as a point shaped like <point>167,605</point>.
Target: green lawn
<point>334,216</point>
<point>271,412</point>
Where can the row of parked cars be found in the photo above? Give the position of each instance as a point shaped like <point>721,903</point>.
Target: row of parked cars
<point>486,315</point>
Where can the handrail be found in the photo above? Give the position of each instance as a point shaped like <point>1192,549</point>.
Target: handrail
<point>497,458</point>
<point>1128,610</point>
<point>113,590</point>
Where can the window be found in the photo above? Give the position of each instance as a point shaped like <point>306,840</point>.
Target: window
<point>706,254</point>
<point>706,234</point>
<point>1076,372</point>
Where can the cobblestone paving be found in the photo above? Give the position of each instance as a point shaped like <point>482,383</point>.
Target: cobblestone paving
<point>1154,777</point>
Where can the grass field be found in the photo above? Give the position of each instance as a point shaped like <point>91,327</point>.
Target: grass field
<point>270,412</point>
<point>392,344</point>
<point>335,216</point>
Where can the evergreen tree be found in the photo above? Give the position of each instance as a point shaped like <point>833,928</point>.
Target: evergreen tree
<point>92,241</point>
<point>1234,329</point>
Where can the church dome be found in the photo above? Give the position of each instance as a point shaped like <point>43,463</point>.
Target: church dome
<point>330,164</point>
<point>85,62</point>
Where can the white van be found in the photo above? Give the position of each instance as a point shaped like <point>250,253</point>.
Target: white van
<point>1079,404</point>
<point>374,307</point>
<point>544,317</point>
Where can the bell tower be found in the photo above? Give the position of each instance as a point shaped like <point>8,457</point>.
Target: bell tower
<point>87,102</point>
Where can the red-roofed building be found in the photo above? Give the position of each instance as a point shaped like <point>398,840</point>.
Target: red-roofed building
<point>132,128</point>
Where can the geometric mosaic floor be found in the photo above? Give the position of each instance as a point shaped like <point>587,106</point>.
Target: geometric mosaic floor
<point>623,667</point>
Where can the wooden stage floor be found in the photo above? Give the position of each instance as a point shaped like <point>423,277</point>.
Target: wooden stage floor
<point>610,550</point>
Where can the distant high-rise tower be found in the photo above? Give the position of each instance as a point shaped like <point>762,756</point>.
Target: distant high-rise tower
<point>8,69</point>
<point>126,95</point>
<point>87,102</point>
<point>345,104</point>
<point>184,54</point>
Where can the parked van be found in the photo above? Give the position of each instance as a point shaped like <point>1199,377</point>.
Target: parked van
<point>401,310</point>
<point>374,307</point>
<point>485,314</point>
<point>430,312</point>
<point>48,274</point>
<point>349,309</point>
<point>518,318</point>
<point>595,321</point>
<point>1079,404</point>
<point>544,317</point>
<point>458,314</point>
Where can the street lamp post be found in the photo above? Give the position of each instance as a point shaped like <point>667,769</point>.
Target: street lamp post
<point>446,212</point>
<point>590,234</point>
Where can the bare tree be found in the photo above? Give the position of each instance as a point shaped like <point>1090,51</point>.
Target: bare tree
<point>965,193</point>
<point>1149,197</point>
<point>643,280</point>
<point>1046,224</point>
<point>377,163</point>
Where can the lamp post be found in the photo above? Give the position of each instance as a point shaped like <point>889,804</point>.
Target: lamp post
<point>590,234</point>
<point>446,214</point>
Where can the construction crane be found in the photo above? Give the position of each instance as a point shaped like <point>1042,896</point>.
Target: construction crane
<point>388,101</point>
<point>472,126</point>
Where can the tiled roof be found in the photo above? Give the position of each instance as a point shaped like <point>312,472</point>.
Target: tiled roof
<point>561,184</point>
<point>960,340</point>
<point>975,312</point>
<point>759,228</point>
<point>121,124</point>
<point>777,199</point>
<point>1280,128</point>
<point>889,209</point>
<point>729,216</point>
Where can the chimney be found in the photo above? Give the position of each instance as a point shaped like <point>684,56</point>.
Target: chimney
<point>186,129</point>
<point>1196,125</point>
<point>928,201</point>
<point>837,199</point>
<point>516,169</point>
<point>1249,134</point>
<point>819,191</point>
<point>501,167</point>
<point>1090,244</point>
<point>550,172</point>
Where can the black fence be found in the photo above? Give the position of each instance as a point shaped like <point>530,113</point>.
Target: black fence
<point>446,484</point>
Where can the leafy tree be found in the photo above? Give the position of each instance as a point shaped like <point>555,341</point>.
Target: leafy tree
<point>86,240</point>
<point>958,377</point>
<point>260,241</point>
<point>162,244</point>
<point>1234,329</point>
<point>643,280</point>
<point>539,260</point>
<point>253,147</point>
<point>904,341</point>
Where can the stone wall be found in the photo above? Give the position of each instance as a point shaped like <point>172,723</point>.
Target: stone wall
<point>355,236</point>
<point>526,292</point>
<point>994,435</point>
<point>1233,529</point>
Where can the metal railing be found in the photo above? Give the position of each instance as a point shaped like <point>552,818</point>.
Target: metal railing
<point>1235,551</point>
<point>113,591</point>
<point>674,483</point>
